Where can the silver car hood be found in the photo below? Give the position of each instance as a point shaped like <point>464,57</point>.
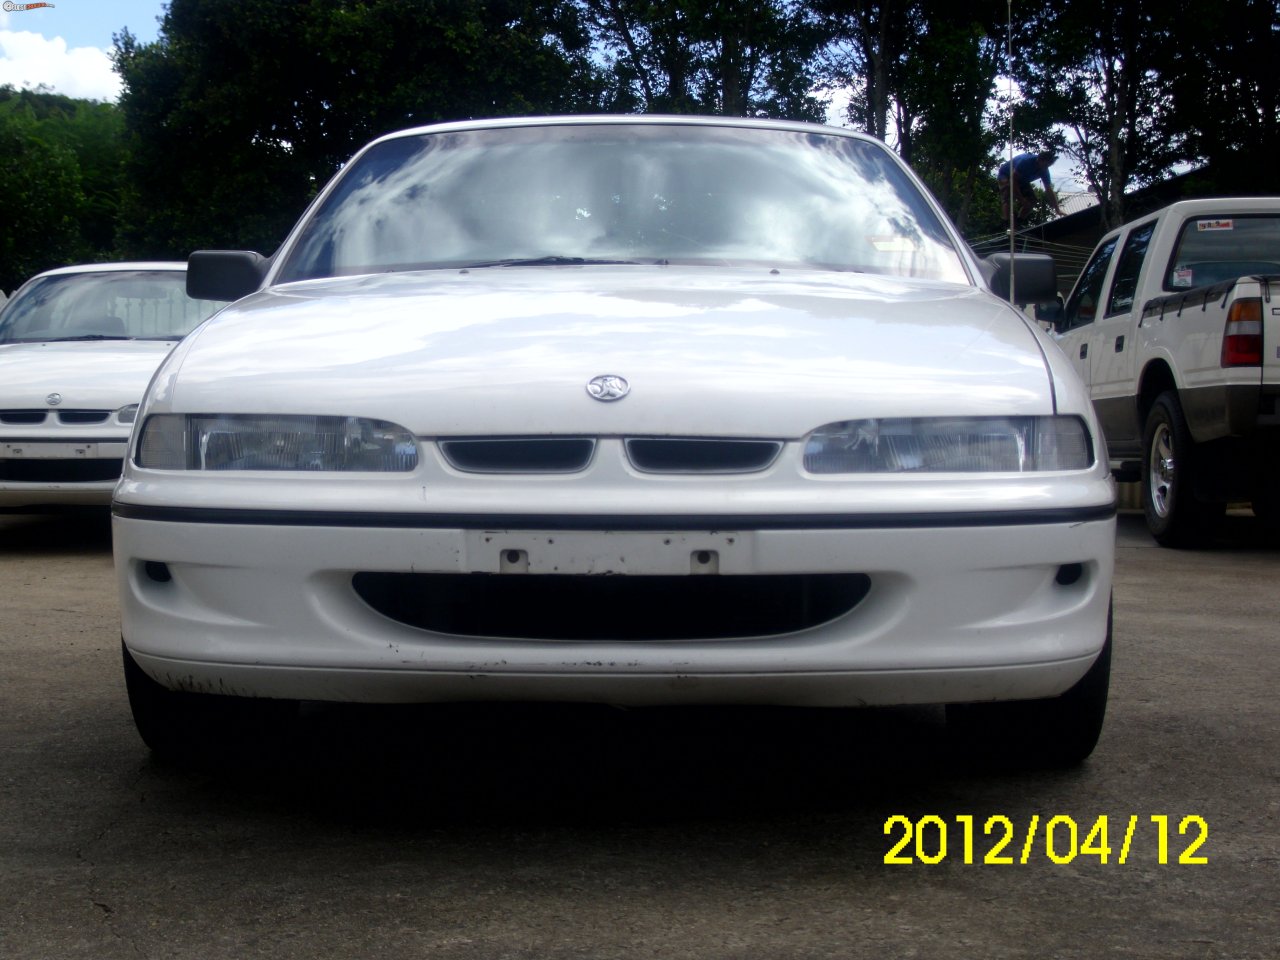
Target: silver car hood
<point>511,350</point>
<point>90,375</point>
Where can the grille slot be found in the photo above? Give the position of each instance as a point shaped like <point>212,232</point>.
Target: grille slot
<point>83,416</point>
<point>627,608</point>
<point>61,471</point>
<point>16,417</point>
<point>679,455</point>
<point>519,454</point>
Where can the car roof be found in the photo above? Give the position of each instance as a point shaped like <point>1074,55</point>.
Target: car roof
<point>648,119</point>
<point>174,265</point>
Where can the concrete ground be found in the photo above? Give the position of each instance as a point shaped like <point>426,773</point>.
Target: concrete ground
<point>510,832</point>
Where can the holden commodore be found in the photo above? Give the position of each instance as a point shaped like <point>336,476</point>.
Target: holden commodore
<point>77,347</point>
<point>623,410</point>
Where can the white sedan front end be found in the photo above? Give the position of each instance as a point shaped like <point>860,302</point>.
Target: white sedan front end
<point>631,483</point>
<point>77,348</point>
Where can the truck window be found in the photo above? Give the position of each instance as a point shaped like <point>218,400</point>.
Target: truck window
<point>1082,306</point>
<point>1125,284</point>
<point>1214,249</point>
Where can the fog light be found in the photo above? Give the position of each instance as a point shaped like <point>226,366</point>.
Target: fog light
<point>157,571</point>
<point>1068,574</point>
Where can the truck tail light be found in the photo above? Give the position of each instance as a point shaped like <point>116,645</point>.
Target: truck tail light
<point>1242,338</point>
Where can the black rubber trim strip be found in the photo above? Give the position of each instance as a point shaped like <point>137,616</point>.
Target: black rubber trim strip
<point>489,521</point>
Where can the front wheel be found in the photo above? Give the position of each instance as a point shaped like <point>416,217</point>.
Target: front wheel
<point>1174,516</point>
<point>180,726</point>
<point>1056,732</point>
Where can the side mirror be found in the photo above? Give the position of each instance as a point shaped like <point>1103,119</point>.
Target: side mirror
<point>1034,275</point>
<point>225,274</point>
<point>1051,312</point>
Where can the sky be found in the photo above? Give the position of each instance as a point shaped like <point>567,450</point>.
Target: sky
<point>67,44</point>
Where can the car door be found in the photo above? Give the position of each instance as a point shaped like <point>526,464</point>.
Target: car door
<point>1077,328</point>
<point>1114,346</point>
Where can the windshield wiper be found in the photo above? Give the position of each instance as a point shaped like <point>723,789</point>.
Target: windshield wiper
<point>92,336</point>
<point>550,261</point>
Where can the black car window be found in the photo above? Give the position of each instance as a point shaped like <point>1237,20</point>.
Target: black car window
<point>1214,249</point>
<point>1082,306</point>
<point>1125,285</point>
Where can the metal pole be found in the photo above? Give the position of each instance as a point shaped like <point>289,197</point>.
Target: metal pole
<point>1012,214</point>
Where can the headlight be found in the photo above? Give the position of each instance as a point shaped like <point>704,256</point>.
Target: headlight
<point>950,445</point>
<point>127,414</point>
<point>253,442</point>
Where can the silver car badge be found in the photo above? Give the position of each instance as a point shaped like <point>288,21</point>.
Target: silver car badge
<point>53,399</point>
<point>608,387</point>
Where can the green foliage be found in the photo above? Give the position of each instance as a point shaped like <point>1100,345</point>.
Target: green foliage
<point>239,113</point>
<point>1222,65</point>
<point>922,75</point>
<point>61,194</point>
<point>748,59</point>
<point>236,116</point>
<point>1092,67</point>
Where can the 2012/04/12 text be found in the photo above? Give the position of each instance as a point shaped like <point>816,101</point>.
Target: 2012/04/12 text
<point>997,841</point>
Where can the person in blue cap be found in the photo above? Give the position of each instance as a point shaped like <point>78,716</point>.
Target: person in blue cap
<point>1027,169</point>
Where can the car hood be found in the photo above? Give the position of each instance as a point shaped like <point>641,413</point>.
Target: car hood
<point>89,375</point>
<point>508,350</point>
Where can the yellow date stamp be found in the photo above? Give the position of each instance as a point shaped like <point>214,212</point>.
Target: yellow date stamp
<point>1060,839</point>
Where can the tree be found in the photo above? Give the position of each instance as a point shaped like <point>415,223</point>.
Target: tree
<point>751,59</point>
<point>1225,86</point>
<point>238,113</point>
<point>1094,68</point>
<point>921,74</point>
<point>59,203</point>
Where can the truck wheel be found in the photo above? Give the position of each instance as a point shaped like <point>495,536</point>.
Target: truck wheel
<point>1174,516</point>
<point>1055,733</point>
<point>183,727</point>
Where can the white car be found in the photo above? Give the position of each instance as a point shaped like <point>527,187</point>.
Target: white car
<point>77,347</point>
<point>629,410</point>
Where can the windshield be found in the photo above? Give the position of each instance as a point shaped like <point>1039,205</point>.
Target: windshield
<point>1214,249</point>
<point>111,305</point>
<point>633,193</point>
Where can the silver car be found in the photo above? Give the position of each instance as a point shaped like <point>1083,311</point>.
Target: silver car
<point>77,347</point>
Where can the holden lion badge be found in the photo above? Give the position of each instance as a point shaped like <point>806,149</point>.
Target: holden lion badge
<point>608,387</point>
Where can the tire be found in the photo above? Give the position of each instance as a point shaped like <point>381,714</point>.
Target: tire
<point>1265,500</point>
<point>186,727</point>
<point>1054,733</point>
<point>1175,517</point>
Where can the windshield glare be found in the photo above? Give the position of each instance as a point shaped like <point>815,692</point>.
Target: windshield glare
<point>633,193</point>
<point>111,305</point>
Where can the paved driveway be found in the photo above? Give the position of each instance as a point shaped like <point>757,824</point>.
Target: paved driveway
<point>483,832</point>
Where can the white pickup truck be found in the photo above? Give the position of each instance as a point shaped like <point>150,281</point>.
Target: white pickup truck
<point>1175,325</point>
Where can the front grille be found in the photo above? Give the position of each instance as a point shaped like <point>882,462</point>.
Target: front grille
<point>629,608</point>
<point>60,471</point>
<point>83,416</point>
<point>679,455</point>
<point>571,454</point>
<point>22,416</point>
<point>519,454</point>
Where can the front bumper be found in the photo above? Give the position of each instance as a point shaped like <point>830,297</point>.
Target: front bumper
<point>49,471</point>
<point>959,611</point>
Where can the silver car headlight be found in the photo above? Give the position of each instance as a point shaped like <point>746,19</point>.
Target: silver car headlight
<point>950,445</point>
<point>270,442</point>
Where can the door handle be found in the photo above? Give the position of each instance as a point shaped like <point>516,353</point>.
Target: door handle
<point>1119,343</point>
<point>1084,351</point>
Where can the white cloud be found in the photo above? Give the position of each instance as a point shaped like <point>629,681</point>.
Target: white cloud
<point>28,60</point>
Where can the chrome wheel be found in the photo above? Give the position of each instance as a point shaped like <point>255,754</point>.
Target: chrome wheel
<point>1176,516</point>
<point>1161,475</point>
